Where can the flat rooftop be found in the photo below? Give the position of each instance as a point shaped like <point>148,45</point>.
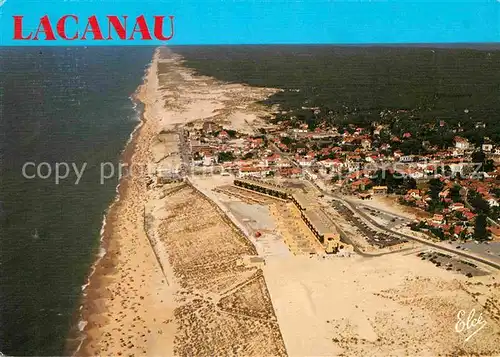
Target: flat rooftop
<point>320,221</point>
<point>302,200</point>
<point>268,185</point>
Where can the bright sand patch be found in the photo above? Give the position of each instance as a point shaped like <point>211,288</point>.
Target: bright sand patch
<point>389,305</point>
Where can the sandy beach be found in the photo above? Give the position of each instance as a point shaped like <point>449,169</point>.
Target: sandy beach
<point>128,302</point>
<point>140,300</point>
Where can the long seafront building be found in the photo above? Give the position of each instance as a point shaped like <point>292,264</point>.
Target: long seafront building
<point>312,215</point>
<point>263,187</point>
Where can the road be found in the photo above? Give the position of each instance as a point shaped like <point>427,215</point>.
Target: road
<point>492,261</point>
<point>487,261</point>
<point>185,152</point>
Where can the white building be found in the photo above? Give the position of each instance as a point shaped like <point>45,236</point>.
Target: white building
<point>487,147</point>
<point>461,143</point>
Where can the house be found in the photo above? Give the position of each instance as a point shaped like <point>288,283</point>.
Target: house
<point>492,202</point>
<point>444,194</point>
<point>292,172</point>
<point>469,215</point>
<point>414,194</point>
<point>457,230</point>
<point>255,143</point>
<point>283,147</point>
<point>458,206</point>
<point>329,163</point>
<point>437,218</point>
<point>209,160</point>
<point>406,158</point>
<point>223,135</point>
<point>422,205</point>
<point>366,144</point>
<point>360,184</point>
<point>210,127</point>
<point>303,162</point>
<point>461,143</point>
<point>379,190</point>
<point>495,233</point>
<point>272,160</point>
<point>249,171</point>
<point>487,147</point>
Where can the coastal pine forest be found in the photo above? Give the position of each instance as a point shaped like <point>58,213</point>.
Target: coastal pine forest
<point>432,93</point>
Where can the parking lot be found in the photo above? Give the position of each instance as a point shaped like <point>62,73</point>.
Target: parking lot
<point>374,237</point>
<point>389,220</point>
<point>448,262</point>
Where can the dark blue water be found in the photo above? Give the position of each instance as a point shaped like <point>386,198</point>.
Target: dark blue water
<point>56,105</point>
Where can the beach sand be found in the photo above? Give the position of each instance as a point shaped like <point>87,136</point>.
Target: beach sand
<point>128,303</point>
<point>394,304</point>
<point>143,299</point>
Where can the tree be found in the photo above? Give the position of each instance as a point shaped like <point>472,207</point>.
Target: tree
<point>447,171</point>
<point>480,205</point>
<point>494,212</point>
<point>225,156</point>
<point>409,183</point>
<point>435,187</point>
<point>455,193</point>
<point>248,155</point>
<point>478,157</point>
<point>481,231</point>
<point>232,133</point>
<point>489,166</point>
<point>438,232</point>
<point>380,177</point>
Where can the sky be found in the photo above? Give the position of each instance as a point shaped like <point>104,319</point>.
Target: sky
<point>205,22</point>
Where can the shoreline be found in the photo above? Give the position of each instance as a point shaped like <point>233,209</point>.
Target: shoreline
<point>134,307</point>
<point>106,258</point>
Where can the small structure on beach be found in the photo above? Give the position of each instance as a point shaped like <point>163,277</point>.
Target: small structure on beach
<point>379,190</point>
<point>252,261</point>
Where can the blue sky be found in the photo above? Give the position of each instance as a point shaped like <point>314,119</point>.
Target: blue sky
<point>278,21</point>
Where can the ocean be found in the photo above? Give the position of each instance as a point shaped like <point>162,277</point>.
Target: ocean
<point>57,105</point>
